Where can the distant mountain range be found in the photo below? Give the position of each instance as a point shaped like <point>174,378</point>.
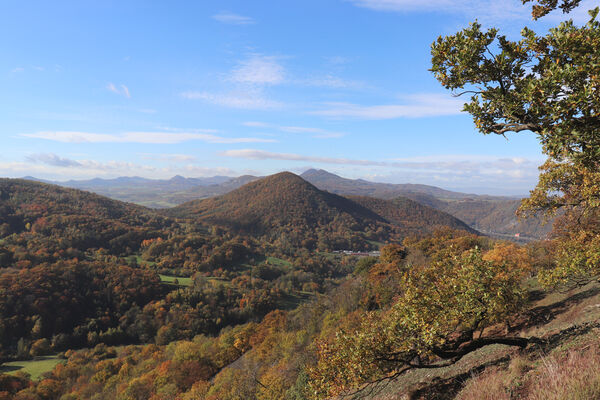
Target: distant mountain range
<point>156,193</point>
<point>493,215</point>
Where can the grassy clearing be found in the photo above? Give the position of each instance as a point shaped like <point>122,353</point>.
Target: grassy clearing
<point>278,262</point>
<point>35,368</point>
<point>139,261</point>
<point>181,281</point>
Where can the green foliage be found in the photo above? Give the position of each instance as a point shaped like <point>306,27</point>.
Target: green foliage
<point>436,317</point>
<point>364,264</point>
<point>176,280</point>
<point>550,85</point>
<point>544,84</point>
<point>34,368</point>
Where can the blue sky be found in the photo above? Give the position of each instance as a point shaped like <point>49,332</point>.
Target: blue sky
<point>203,88</point>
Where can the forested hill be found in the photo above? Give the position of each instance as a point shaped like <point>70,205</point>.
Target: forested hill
<point>69,218</point>
<point>494,215</point>
<point>286,207</point>
<point>410,214</point>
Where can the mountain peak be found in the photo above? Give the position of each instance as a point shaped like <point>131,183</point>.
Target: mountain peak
<point>317,173</point>
<point>178,178</point>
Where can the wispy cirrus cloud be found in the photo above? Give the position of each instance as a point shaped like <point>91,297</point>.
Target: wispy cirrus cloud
<point>139,137</point>
<point>251,99</point>
<point>253,154</point>
<point>316,132</point>
<point>121,90</point>
<point>248,82</point>
<point>258,70</point>
<point>511,166</point>
<point>233,19</point>
<point>413,106</point>
<point>332,82</point>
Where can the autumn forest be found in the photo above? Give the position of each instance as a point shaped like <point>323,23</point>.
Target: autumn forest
<point>314,286</point>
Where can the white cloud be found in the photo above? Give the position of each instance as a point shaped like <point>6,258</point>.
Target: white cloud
<point>17,69</point>
<point>258,70</point>
<point>138,137</point>
<point>250,77</point>
<point>233,19</point>
<point>458,165</point>
<point>252,154</point>
<point>414,106</point>
<point>317,132</point>
<point>337,60</point>
<point>52,159</point>
<point>122,90</point>
<point>333,82</point>
<point>245,99</point>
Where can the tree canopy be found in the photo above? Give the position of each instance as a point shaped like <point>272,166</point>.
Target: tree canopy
<point>438,318</point>
<point>549,85</point>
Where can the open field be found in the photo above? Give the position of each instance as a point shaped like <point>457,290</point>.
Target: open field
<point>35,368</point>
<point>170,280</point>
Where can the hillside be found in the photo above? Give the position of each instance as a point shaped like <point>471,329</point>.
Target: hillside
<point>28,205</point>
<point>286,207</point>
<point>51,221</point>
<point>410,214</point>
<point>492,215</point>
<point>495,217</point>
